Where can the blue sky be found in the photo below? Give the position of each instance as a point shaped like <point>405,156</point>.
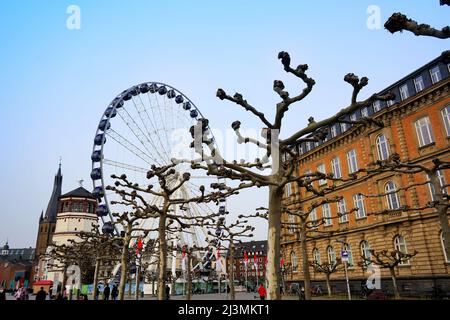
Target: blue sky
<point>56,82</point>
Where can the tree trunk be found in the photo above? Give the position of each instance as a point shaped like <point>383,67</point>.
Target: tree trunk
<point>136,293</point>
<point>305,260</point>
<point>327,276</point>
<point>394,283</point>
<point>124,264</point>
<point>441,210</point>
<point>273,245</point>
<point>162,257</point>
<point>96,272</point>
<point>189,278</point>
<point>231,270</point>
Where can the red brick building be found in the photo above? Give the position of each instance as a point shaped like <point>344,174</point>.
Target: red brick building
<point>417,127</point>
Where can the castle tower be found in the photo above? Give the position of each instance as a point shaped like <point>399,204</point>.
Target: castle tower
<point>76,213</point>
<point>47,222</point>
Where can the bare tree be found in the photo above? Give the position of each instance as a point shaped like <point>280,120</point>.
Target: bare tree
<point>388,260</point>
<point>399,22</point>
<point>327,268</point>
<point>275,150</point>
<point>434,173</point>
<point>232,233</point>
<point>169,180</point>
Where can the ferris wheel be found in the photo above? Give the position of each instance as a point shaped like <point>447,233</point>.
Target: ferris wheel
<point>148,124</point>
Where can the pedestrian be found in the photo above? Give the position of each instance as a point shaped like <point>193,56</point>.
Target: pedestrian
<point>97,293</point>
<point>2,294</point>
<point>167,292</point>
<point>114,292</point>
<point>302,293</point>
<point>106,292</point>
<point>262,292</point>
<point>41,295</point>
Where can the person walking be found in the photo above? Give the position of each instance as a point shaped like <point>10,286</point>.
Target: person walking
<point>20,294</point>
<point>114,292</point>
<point>262,292</point>
<point>167,292</point>
<point>106,292</point>
<point>2,294</point>
<point>41,295</point>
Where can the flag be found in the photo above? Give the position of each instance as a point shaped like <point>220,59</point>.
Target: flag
<point>183,259</point>
<point>282,262</point>
<point>139,246</point>
<point>245,259</point>
<point>255,261</point>
<point>218,262</point>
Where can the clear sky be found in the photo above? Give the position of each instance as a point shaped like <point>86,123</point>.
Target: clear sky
<point>56,82</point>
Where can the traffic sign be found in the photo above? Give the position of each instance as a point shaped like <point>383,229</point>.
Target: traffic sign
<point>344,256</point>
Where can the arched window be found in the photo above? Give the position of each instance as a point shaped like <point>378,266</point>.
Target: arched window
<point>365,251</point>
<point>400,245</point>
<point>316,255</point>
<point>392,199</point>
<point>382,147</point>
<point>294,261</point>
<point>447,259</point>
<point>331,255</point>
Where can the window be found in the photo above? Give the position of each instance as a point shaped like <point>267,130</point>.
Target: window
<point>77,207</point>
<point>423,129</point>
<point>441,178</point>
<point>342,211</point>
<point>435,74</point>
<point>382,147</point>
<point>400,245</point>
<point>365,251</point>
<point>344,127</point>
<point>308,146</point>
<point>365,112</point>
<point>333,131</point>
<point>291,221</point>
<point>336,167</point>
<point>288,190</point>
<point>294,261</point>
<point>321,169</point>
<point>352,161</point>
<point>331,255</point>
<point>447,259</point>
<point>391,196</point>
<point>446,118</point>
<point>376,106</point>
<point>358,200</point>
<point>348,248</point>
<point>300,149</point>
<point>404,92</point>
<point>353,116</point>
<point>316,256</point>
<point>313,218</point>
<point>419,84</point>
<point>326,214</point>
<point>390,102</point>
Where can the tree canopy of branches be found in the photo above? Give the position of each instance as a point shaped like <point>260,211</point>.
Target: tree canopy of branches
<point>281,172</point>
<point>137,198</point>
<point>388,260</point>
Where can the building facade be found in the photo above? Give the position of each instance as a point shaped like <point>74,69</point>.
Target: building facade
<point>417,127</point>
<point>16,267</point>
<point>253,249</point>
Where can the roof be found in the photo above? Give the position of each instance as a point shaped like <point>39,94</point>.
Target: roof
<point>52,207</point>
<point>251,247</point>
<point>21,254</point>
<point>79,192</point>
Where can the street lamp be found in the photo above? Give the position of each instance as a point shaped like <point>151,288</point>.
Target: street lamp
<point>344,256</point>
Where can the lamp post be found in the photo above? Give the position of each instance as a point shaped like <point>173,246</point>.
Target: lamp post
<point>344,256</point>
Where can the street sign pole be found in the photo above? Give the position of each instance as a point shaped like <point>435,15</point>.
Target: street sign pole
<point>344,255</point>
